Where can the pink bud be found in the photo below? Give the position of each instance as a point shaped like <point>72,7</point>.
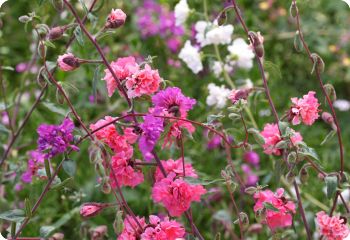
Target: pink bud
<point>92,209</point>
<point>68,62</point>
<point>56,32</point>
<point>99,232</point>
<point>252,158</point>
<point>115,19</point>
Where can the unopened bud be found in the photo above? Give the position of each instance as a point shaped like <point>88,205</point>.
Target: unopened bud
<point>304,174</point>
<point>115,19</point>
<point>250,190</point>
<point>293,10</point>
<point>118,224</point>
<point>56,32</point>
<point>292,157</point>
<point>24,19</point>
<point>92,209</point>
<point>261,214</point>
<point>42,49</point>
<point>57,236</point>
<point>98,232</point>
<point>290,177</point>
<point>222,18</point>
<point>58,4</point>
<point>243,217</point>
<point>318,63</point>
<point>257,43</point>
<point>106,187</point>
<point>327,118</point>
<point>68,62</point>
<point>330,91</point>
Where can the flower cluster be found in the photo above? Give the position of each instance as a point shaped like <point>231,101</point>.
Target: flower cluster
<point>123,169</point>
<point>160,229</point>
<point>304,109</point>
<point>272,137</point>
<point>280,215</point>
<point>35,162</point>
<point>154,19</point>
<point>176,194</point>
<point>333,228</point>
<point>217,95</point>
<point>175,166</point>
<point>137,81</point>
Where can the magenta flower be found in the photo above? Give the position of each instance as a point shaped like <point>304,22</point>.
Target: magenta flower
<point>125,173</point>
<point>272,137</point>
<point>172,101</point>
<point>176,167</point>
<point>252,158</point>
<point>123,68</point>
<point>333,228</point>
<point>152,127</point>
<point>250,178</point>
<point>55,139</point>
<point>35,162</point>
<point>282,216</point>
<point>176,195</point>
<point>304,109</point>
<point>131,228</point>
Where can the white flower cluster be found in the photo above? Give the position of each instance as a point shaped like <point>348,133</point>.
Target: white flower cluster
<point>217,95</point>
<point>190,55</point>
<point>182,11</point>
<point>211,33</point>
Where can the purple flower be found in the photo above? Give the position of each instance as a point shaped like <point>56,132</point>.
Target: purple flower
<point>252,158</point>
<point>154,19</point>
<point>55,139</point>
<point>35,162</point>
<point>250,178</point>
<point>152,127</point>
<point>172,101</point>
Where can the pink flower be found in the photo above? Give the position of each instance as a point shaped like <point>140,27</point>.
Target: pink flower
<point>175,167</point>
<point>282,216</point>
<point>116,18</point>
<point>144,81</point>
<point>333,228</point>
<point>131,229</point>
<point>125,173</point>
<point>236,95</point>
<point>68,62</point>
<point>175,131</point>
<point>304,109</point>
<point>175,194</point>
<point>123,68</point>
<point>162,229</point>
<point>130,135</point>
<point>272,137</point>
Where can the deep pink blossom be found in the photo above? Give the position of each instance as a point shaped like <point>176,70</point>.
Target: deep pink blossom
<point>252,158</point>
<point>272,137</point>
<point>332,228</point>
<point>67,62</point>
<point>176,194</point>
<point>250,178</point>
<point>175,166</point>
<point>304,109</point>
<point>131,230</point>
<point>143,82</point>
<point>162,229</point>
<point>283,215</point>
<point>123,68</point>
<point>125,172</point>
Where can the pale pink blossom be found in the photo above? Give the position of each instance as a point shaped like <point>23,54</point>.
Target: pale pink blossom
<point>67,62</point>
<point>272,137</point>
<point>175,166</point>
<point>143,82</point>
<point>130,135</point>
<point>304,109</point>
<point>332,228</point>
<point>176,195</point>
<point>123,68</point>
<point>282,216</point>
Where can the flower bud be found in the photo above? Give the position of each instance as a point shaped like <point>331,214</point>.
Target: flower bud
<point>68,62</point>
<point>99,232</point>
<point>257,43</point>
<point>244,219</point>
<point>252,158</point>
<point>24,19</point>
<point>290,177</point>
<point>250,190</point>
<point>222,18</point>
<point>56,32</point>
<point>106,187</point>
<point>318,63</point>
<point>261,214</point>
<point>292,157</point>
<point>255,228</point>
<point>42,49</point>
<point>57,236</point>
<point>115,19</point>
<point>92,209</point>
<point>303,174</point>
<point>58,4</point>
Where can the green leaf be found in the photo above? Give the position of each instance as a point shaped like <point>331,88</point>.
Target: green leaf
<point>61,185</point>
<point>28,208</point>
<point>3,129</point>
<point>331,184</point>
<point>304,151</point>
<point>45,231</point>
<point>269,206</point>
<point>273,70</point>
<point>212,118</point>
<point>257,136</point>
<point>79,36</point>
<point>95,80</point>
<point>204,182</point>
<point>16,215</point>
<point>54,108</point>
<point>222,215</point>
<point>70,167</point>
<point>49,44</point>
<point>328,137</point>
<point>9,68</point>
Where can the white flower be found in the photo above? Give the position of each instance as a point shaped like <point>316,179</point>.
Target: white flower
<point>210,33</point>
<point>247,83</point>
<point>241,52</point>
<point>181,12</point>
<point>191,57</point>
<point>342,105</point>
<point>217,95</point>
<point>217,68</point>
